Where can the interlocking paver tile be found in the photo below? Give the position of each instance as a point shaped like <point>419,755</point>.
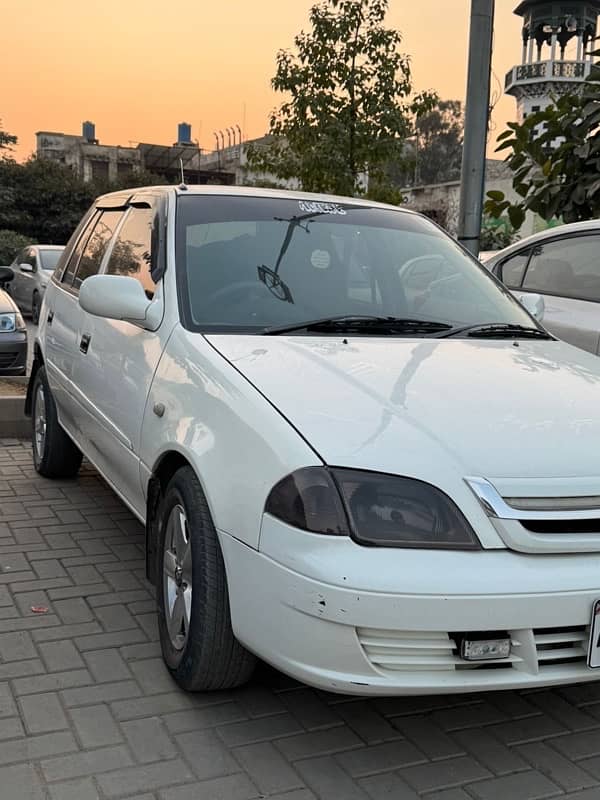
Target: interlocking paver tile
<point>43,713</point>
<point>268,769</point>
<point>95,726</point>
<point>148,740</point>
<point>88,710</point>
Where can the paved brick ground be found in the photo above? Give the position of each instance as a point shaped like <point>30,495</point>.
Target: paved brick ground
<point>87,710</point>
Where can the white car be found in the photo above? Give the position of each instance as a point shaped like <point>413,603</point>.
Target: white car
<point>356,456</point>
<point>561,266</point>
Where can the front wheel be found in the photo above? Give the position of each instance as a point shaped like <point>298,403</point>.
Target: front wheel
<point>55,455</point>
<point>194,620</point>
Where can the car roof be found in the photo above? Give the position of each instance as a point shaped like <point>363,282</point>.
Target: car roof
<point>49,246</point>
<point>550,233</point>
<point>247,191</point>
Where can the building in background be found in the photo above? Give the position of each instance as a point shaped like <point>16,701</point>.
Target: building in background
<point>558,42</point>
<point>558,39</point>
<point>111,163</point>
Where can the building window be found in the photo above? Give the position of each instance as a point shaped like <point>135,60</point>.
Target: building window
<point>99,170</point>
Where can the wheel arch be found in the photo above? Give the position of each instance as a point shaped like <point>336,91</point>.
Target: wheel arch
<point>165,467</point>
<point>38,361</point>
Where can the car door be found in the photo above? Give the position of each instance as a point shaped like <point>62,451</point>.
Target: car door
<point>117,360</point>
<point>566,271</point>
<point>20,281</point>
<point>61,324</point>
<point>29,278</point>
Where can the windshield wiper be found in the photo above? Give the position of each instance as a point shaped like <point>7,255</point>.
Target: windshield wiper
<point>498,330</point>
<point>362,324</point>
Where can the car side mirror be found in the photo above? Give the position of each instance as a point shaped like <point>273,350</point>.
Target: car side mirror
<point>6,274</point>
<point>26,267</point>
<point>117,297</point>
<point>534,303</point>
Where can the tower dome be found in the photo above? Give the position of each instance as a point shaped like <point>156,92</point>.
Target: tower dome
<point>558,40</point>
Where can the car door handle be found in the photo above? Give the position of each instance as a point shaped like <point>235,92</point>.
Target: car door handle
<point>85,342</point>
<point>50,317</point>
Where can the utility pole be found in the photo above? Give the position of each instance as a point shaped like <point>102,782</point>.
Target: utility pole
<point>476,124</point>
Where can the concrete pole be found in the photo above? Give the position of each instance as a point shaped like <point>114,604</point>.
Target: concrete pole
<point>476,124</point>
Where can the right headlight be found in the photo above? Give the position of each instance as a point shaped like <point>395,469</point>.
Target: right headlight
<point>376,509</point>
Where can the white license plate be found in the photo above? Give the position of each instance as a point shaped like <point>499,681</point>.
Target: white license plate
<point>594,648</point>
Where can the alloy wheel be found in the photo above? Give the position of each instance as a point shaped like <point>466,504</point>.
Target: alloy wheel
<point>177,578</point>
<point>40,424</point>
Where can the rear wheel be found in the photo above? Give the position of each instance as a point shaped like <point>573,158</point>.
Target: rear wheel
<point>55,455</point>
<point>35,308</point>
<point>197,640</point>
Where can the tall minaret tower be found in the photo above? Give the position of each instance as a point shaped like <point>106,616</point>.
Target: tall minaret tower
<point>558,37</point>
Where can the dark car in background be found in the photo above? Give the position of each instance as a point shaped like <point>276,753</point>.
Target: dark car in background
<point>13,333</point>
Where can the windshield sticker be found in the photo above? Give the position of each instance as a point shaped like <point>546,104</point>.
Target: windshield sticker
<point>313,207</point>
<point>320,259</point>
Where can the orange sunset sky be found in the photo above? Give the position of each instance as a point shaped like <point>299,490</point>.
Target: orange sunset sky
<point>137,68</point>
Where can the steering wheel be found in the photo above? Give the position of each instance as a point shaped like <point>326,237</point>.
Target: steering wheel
<point>236,291</point>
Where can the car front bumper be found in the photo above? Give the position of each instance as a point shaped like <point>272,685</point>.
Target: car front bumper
<point>383,621</point>
<point>13,353</point>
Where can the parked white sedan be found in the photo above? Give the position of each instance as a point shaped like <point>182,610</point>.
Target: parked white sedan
<point>560,265</point>
<point>356,455</point>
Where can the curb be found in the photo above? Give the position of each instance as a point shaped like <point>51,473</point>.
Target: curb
<point>13,422</point>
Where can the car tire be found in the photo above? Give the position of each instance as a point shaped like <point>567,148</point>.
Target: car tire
<point>55,455</point>
<point>194,619</point>
<point>35,308</point>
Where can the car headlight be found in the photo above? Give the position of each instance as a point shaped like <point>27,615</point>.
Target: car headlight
<point>375,509</point>
<point>11,322</point>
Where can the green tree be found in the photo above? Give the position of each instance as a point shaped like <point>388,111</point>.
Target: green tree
<point>7,141</point>
<point>555,158</point>
<point>10,244</point>
<point>348,103</point>
<point>439,143</point>
<point>42,199</point>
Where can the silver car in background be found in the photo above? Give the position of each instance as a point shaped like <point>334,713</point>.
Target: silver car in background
<point>562,265</point>
<point>33,267</point>
<point>13,333</point>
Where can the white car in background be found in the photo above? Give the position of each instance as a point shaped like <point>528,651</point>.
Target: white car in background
<point>33,266</point>
<point>355,454</point>
<point>562,266</point>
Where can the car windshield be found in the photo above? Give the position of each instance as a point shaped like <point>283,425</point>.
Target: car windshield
<point>49,259</point>
<point>248,264</point>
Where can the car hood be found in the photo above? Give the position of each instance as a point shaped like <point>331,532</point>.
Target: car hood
<point>7,304</point>
<point>419,407</point>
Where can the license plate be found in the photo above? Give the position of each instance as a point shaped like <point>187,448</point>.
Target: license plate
<point>594,648</point>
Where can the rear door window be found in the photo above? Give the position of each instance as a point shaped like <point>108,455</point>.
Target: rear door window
<point>73,259</point>
<point>96,247</point>
<point>132,251</point>
<point>566,267</point>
